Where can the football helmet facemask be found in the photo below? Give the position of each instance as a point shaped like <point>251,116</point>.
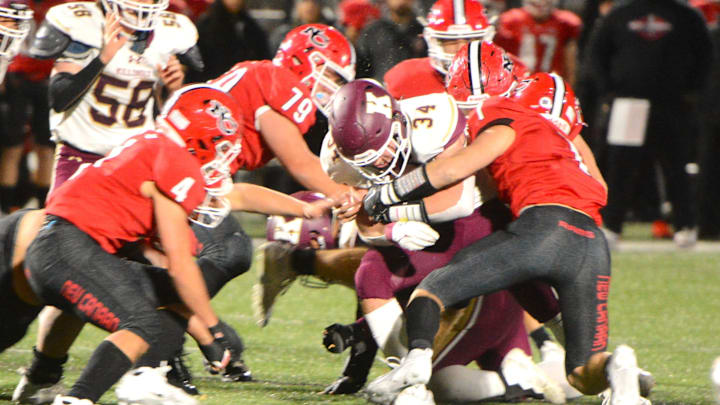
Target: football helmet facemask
<point>480,70</point>
<point>451,20</point>
<point>322,58</point>
<point>370,130</point>
<point>553,98</point>
<point>203,118</point>
<point>15,24</point>
<point>138,15</point>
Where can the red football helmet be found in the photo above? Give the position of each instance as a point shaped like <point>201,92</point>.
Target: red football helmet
<point>553,98</point>
<point>322,58</point>
<point>202,118</point>
<point>303,233</point>
<point>370,130</point>
<point>15,23</point>
<point>480,70</point>
<point>454,20</point>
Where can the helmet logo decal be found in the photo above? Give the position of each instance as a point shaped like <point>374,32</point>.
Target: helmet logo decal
<point>317,37</point>
<point>225,122</point>
<point>380,105</point>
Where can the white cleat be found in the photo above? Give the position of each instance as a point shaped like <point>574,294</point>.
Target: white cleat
<point>552,362</point>
<point>274,278</point>
<point>519,369</point>
<point>415,395</point>
<point>149,386</point>
<point>686,238</point>
<point>414,369</point>
<point>28,393</point>
<point>65,400</point>
<point>623,373</point>
<point>715,378</point>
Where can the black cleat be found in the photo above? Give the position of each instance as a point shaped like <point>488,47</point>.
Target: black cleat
<point>179,376</point>
<point>237,371</point>
<point>357,368</point>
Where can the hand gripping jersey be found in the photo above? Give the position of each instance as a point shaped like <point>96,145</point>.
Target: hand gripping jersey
<point>542,166</point>
<point>120,103</point>
<point>260,86</point>
<point>412,78</point>
<point>104,199</point>
<point>540,45</point>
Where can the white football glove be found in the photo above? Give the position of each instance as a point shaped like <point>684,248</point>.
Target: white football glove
<point>412,235</point>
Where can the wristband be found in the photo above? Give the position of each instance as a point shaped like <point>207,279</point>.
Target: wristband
<point>411,211</point>
<point>413,186</point>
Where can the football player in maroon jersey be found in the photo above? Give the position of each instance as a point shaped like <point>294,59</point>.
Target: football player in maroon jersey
<point>545,171</point>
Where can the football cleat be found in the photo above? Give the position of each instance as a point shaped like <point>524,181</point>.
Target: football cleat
<point>686,238</point>
<point>623,374</point>
<point>237,371</point>
<point>65,400</point>
<point>646,382</point>
<point>415,395</point>
<point>149,386</point>
<point>715,378</point>
<point>552,362</point>
<point>180,376</point>
<point>414,369</point>
<point>525,378</point>
<point>274,278</point>
<point>27,392</point>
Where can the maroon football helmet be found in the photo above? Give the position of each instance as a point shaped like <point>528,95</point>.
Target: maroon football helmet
<point>480,70</point>
<point>553,98</point>
<point>302,232</point>
<point>369,130</point>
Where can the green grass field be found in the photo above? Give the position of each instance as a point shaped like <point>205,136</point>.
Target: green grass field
<point>662,303</point>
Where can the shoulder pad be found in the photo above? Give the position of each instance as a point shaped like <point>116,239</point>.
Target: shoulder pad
<point>192,59</point>
<point>82,21</point>
<point>175,32</point>
<point>436,122</point>
<point>49,42</point>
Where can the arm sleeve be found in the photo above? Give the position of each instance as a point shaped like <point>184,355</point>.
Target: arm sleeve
<point>66,88</point>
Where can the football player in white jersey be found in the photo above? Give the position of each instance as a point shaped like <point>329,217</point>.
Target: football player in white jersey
<point>112,58</point>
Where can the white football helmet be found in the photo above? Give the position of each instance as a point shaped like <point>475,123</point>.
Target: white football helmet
<point>15,23</point>
<point>138,15</point>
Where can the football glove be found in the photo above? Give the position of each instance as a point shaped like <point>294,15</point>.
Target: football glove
<point>411,235</point>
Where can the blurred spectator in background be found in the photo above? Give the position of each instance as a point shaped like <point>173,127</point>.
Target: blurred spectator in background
<point>542,36</point>
<point>709,184</point>
<point>26,92</point>
<point>354,15</point>
<point>651,59</point>
<point>304,12</point>
<point>385,42</point>
<point>228,35</point>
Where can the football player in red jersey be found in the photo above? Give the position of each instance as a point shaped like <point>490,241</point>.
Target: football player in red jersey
<point>545,171</point>
<point>543,37</point>
<point>279,99</point>
<point>146,188</point>
<point>450,25</point>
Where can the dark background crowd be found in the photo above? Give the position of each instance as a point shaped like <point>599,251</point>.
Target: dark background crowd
<point>670,177</point>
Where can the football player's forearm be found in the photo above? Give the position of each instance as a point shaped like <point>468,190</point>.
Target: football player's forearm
<point>66,88</point>
<point>187,280</point>
<point>254,198</point>
<point>451,203</point>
